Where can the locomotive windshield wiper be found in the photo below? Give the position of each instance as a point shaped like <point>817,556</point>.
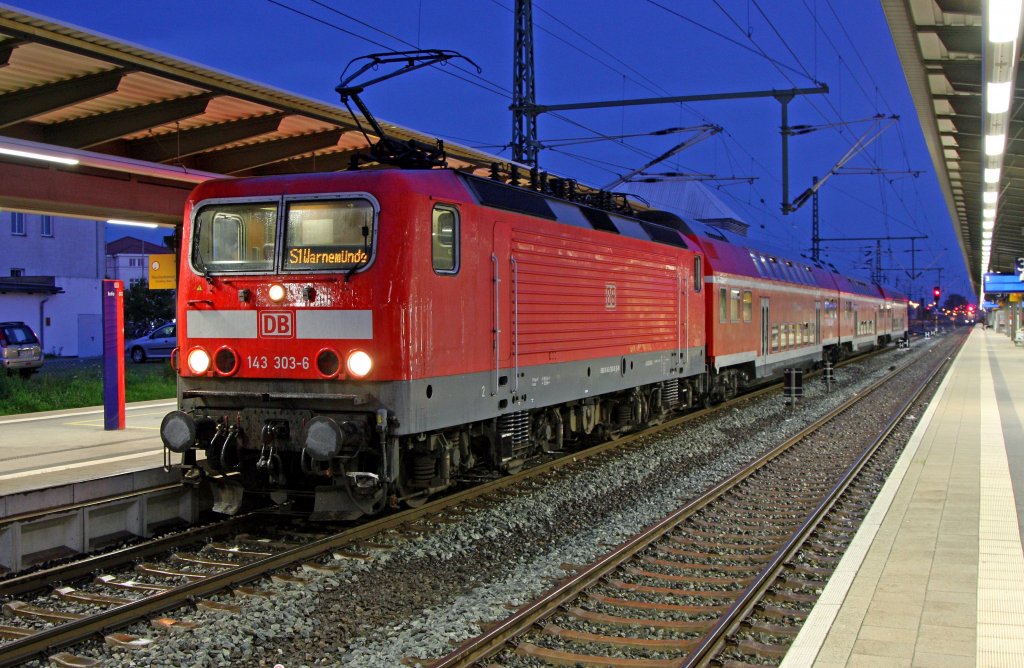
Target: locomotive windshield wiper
<point>366,250</point>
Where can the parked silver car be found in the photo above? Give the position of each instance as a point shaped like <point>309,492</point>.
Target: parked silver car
<point>158,344</point>
<point>20,350</point>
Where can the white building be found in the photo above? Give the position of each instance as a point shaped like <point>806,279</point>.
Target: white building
<point>50,278</point>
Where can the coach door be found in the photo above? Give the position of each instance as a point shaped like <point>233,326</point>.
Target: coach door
<point>765,331</point>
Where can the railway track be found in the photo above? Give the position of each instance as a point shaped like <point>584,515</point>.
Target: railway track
<point>727,578</point>
<point>207,570</point>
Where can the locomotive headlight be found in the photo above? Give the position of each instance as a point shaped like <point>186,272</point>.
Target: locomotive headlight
<point>198,361</point>
<point>358,363</point>
<point>276,292</point>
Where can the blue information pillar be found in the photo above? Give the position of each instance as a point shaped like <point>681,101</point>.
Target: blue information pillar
<point>113,355</point>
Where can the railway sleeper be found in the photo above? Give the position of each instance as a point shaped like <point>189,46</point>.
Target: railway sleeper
<point>662,607</point>
<point>29,611</point>
<point>594,617</point>
<point>712,594</point>
<point>721,556</point>
<point>693,566</point>
<point>556,657</point>
<point>660,644</point>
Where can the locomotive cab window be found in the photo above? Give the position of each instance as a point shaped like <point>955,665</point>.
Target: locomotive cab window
<point>328,234</point>
<point>234,237</point>
<point>444,239</point>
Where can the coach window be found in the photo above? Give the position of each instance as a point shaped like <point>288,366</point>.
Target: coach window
<point>723,305</point>
<point>444,239</point>
<point>734,305</point>
<point>748,305</point>
<point>775,338</point>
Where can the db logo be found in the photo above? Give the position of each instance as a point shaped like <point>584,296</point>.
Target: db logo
<point>277,324</point>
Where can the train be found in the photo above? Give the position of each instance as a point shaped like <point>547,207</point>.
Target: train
<point>356,341</point>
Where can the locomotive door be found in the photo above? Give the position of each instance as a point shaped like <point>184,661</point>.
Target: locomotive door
<point>502,312</point>
<point>765,331</point>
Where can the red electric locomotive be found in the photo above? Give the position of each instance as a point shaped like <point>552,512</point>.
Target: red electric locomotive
<point>369,336</point>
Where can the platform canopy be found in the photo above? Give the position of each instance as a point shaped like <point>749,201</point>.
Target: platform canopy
<point>144,127</point>
<point>948,59</point>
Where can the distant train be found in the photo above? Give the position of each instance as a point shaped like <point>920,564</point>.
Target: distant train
<point>368,337</point>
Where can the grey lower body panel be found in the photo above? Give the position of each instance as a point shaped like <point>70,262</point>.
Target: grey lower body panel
<point>441,402</point>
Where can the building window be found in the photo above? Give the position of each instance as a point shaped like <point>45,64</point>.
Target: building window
<point>132,282</point>
<point>17,271</point>
<point>46,226</point>
<point>18,224</point>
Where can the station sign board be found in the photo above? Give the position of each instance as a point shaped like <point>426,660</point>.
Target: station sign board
<point>1003,283</point>
<point>161,272</point>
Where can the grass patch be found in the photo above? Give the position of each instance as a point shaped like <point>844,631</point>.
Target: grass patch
<point>60,385</point>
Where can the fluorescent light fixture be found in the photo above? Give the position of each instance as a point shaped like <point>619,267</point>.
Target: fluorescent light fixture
<point>994,144</point>
<point>132,223</point>
<point>1003,20</point>
<point>997,96</point>
<point>38,156</point>
<point>986,244</point>
<point>986,234</point>
<point>988,213</point>
<point>992,175</point>
<point>989,197</point>
<point>988,224</point>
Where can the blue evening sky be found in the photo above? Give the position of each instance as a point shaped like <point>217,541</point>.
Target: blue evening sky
<point>612,49</point>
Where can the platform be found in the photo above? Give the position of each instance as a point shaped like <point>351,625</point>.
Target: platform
<point>55,448</point>
<point>935,576</point>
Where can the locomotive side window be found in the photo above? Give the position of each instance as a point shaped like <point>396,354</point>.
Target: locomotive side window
<point>698,276</point>
<point>444,239</point>
<point>325,235</point>
<point>235,237</point>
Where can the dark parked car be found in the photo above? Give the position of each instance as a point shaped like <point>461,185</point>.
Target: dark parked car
<point>20,350</point>
<point>158,344</point>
